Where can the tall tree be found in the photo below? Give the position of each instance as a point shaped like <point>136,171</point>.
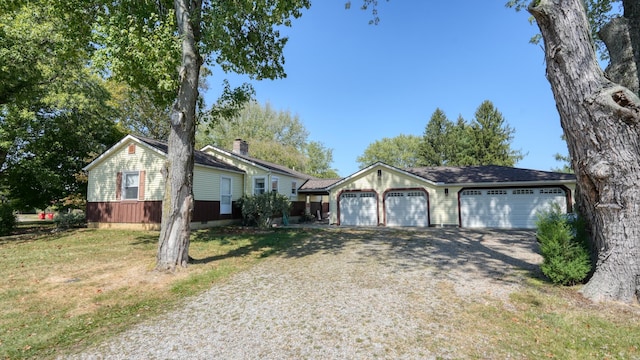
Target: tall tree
<point>319,160</point>
<point>600,120</point>
<point>401,151</point>
<point>137,113</point>
<point>491,138</point>
<point>54,114</point>
<point>142,43</point>
<point>240,37</point>
<point>436,145</point>
<point>273,135</point>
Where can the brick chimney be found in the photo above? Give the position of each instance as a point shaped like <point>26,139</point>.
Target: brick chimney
<point>240,147</point>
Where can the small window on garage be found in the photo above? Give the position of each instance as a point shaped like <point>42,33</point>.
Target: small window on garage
<point>496,192</point>
<point>349,195</point>
<point>552,191</point>
<point>395,194</point>
<point>523,192</point>
<point>367,194</point>
<point>472,192</point>
<point>415,194</point>
<point>294,188</point>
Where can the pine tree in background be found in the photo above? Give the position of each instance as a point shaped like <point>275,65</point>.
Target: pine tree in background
<point>490,138</point>
<point>436,147</point>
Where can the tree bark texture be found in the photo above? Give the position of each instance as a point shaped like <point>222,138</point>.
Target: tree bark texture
<point>177,206</point>
<point>632,14</point>
<point>600,120</point>
<point>622,65</point>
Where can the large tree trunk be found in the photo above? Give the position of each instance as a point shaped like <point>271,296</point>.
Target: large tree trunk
<point>600,120</point>
<point>177,206</point>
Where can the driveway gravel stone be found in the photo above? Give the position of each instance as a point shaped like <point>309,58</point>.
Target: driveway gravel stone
<point>344,293</point>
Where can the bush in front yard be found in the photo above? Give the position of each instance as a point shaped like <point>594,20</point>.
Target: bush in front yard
<point>70,220</point>
<point>563,244</point>
<point>7,219</point>
<point>261,209</point>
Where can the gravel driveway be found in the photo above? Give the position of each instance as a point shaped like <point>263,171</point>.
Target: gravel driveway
<point>343,294</point>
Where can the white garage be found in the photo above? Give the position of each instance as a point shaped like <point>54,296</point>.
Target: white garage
<point>508,208</point>
<point>358,208</point>
<point>406,208</point>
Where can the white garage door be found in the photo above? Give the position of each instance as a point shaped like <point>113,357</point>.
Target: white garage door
<point>507,208</point>
<point>359,209</point>
<point>406,208</point>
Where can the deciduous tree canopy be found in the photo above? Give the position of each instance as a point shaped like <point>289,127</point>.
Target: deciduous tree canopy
<point>273,135</point>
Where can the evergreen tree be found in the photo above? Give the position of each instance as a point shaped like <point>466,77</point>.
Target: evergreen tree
<point>437,144</point>
<point>491,137</point>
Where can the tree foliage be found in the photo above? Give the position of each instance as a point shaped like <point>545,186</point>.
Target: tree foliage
<point>401,151</point>
<point>564,247</point>
<point>490,138</point>
<point>437,146</point>
<point>54,114</point>
<point>276,136</point>
<point>261,209</point>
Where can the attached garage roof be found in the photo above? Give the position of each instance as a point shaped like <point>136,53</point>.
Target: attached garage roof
<point>486,174</point>
<point>317,185</point>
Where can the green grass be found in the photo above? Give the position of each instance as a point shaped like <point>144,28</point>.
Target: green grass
<point>62,292</point>
<point>547,321</point>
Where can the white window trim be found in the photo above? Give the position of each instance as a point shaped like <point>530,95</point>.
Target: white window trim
<point>124,185</point>
<point>277,181</point>
<point>254,184</point>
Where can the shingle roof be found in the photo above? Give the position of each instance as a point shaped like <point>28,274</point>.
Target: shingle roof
<point>317,184</point>
<point>200,157</point>
<point>486,174</point>
<point>268,165</point>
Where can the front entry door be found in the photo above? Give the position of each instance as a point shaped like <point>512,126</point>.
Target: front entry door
<point>225,195</point>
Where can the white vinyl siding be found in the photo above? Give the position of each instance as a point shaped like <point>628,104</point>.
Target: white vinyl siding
<point>102,177</point>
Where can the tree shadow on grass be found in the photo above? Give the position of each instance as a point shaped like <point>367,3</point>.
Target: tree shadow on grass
<point>261,243</point>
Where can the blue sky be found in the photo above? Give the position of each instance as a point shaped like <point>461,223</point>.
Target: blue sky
<point>352,83</point>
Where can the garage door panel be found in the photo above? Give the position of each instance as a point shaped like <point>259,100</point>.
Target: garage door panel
<point>406,208</point>
<point>507,208</point>
<point>359,209</point>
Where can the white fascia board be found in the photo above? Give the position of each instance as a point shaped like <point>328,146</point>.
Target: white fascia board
<point>119,145</point>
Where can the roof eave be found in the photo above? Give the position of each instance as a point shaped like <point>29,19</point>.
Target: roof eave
<point>510,183</point>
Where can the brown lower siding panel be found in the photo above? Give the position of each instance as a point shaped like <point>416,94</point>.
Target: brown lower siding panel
<point>210,211</point>
<point>125,212</point>
<point>149,212</point>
